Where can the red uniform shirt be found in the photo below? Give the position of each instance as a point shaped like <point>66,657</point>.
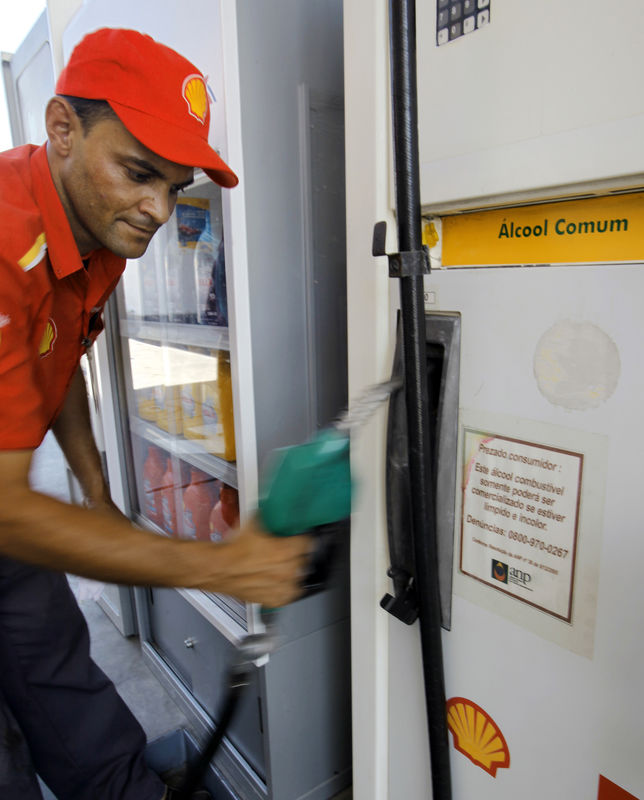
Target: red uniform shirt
<point>50,302</point>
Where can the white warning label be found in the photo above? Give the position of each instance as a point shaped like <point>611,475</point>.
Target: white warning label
<point>520,517</point>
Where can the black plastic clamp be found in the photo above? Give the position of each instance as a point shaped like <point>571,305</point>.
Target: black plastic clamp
<point>404,603</point>
<point>401,265</point>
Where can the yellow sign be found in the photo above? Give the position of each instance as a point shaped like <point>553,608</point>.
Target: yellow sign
<point>601,229</point>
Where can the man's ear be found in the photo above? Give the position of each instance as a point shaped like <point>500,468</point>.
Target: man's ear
<point>62,124</point>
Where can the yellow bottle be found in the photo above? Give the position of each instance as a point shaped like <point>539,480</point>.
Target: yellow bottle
<point>217,410</point>
<point>225,384</point>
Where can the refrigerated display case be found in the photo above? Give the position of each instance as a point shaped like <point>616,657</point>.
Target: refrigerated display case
<point>228,339</point>
<point>175,364</point>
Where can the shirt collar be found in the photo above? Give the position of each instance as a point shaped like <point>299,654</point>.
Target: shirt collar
<point>64,255</point>
<point>63,252</point>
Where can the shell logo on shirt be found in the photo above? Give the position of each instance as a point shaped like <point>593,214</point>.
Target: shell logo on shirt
<point>35,254</point>
<point>195,94</point>
<point>477,735</point>
<point>48,338</point>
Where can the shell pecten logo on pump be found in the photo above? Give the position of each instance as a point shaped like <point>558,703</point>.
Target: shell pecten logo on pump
<point>477,736</point>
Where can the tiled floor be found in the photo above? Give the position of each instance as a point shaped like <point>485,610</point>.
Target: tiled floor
<point>119,657</point>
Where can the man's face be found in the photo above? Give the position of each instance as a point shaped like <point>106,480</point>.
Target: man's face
<point>116,192</point>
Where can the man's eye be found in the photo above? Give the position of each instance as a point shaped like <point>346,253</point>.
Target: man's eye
<point>138,177</point>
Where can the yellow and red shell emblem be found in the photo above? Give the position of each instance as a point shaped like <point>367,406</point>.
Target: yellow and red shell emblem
<point>196,96</point>
<point>48,338</point>
<point>477,735</point>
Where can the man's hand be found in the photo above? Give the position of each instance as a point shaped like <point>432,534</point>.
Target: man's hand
<point>102,544</point>
<point>261,568</point>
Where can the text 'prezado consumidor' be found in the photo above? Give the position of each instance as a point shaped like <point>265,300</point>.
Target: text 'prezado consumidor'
<point>519,518</point>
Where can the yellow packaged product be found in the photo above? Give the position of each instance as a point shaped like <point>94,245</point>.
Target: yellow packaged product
<point>168,400</point>
<point>217,410</point>
<point>191,410</point>
<point>146,404</point>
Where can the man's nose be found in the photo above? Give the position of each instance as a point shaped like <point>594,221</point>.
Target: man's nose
<point>158,205</point>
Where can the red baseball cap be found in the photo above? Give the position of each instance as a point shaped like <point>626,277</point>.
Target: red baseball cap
<point>158,95</point>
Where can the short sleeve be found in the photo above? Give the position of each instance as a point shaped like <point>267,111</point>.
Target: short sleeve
<point>21,410</point>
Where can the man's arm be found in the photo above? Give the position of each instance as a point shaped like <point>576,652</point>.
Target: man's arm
<point>99,544</point>
<point>73,431</point>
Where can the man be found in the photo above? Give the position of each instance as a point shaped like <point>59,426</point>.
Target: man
<point>71,212</point>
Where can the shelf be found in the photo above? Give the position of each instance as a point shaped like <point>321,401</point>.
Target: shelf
<point>211,336</point>
<point>189,451</point>
<point>233,625</point>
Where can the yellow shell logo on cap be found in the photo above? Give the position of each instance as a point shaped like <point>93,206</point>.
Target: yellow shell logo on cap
<point>477,735</point>
<point>195,94</point>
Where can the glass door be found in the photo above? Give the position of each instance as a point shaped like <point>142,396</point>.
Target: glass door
<point>173,324</point>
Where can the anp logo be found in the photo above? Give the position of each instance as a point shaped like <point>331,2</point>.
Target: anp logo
<point>195,94</point>
<point>48,338</point>
<point>499,571</point>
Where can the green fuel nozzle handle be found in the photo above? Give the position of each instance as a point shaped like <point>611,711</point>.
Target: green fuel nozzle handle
<point>308,485</point>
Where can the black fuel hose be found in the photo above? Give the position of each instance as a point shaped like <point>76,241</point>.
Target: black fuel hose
<point>238,681</point>
<point>406,158</point>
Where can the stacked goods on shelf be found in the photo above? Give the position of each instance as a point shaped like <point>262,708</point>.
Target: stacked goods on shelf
<point>225,513</point>
<point>217,410</point>
<point>210,508</point>
<point>191,214</point>
<point>191,400</point>
<point>191,414</point>
<point>198,500</point>
<point>150,299</point>
<point>153,472</point>
<point>168,403</point>
<point>216,308</point>
<point>210,278</point>
<point>146,403</point>
<point>168,502</point>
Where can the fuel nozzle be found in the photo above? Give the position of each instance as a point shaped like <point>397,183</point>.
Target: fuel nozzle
<point>309,486</point>
<point>310,492</point>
